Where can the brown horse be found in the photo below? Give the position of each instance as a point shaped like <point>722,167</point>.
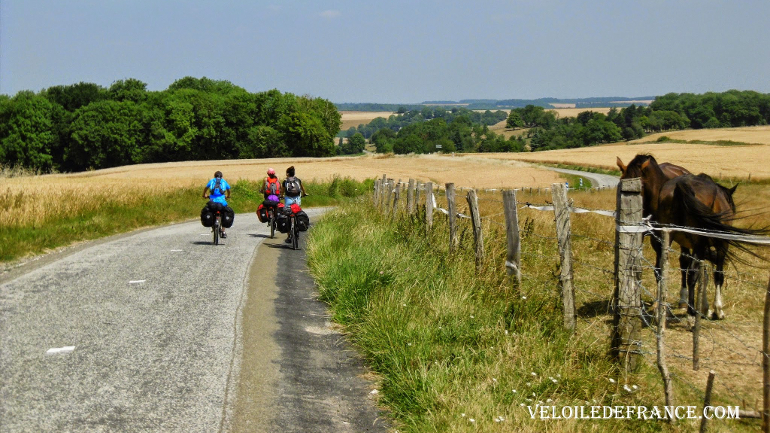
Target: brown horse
<point>691,201</point>
<point>685,256</point>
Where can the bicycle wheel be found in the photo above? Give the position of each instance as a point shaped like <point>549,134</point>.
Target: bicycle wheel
<point>272,223</point>
<point>294,234</point>
<point>215,229</point>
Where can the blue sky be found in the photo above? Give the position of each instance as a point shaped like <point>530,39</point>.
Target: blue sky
<point>395,51</point>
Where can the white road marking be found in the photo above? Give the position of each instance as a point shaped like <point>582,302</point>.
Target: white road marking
<point>176,251</point>
<point>57,350</point>
<point>136,281</point>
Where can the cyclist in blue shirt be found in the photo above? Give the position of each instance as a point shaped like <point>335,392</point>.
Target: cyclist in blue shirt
<point>219,192</point>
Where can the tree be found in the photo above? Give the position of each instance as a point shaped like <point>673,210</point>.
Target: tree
<point>354,145</point>
<point>26,137</point>
<point>383,140</point>
<point>128,90</point>
<point>305,135</point>
<point>105,134</point>
<point>75,96</point>
<point>514,120</point>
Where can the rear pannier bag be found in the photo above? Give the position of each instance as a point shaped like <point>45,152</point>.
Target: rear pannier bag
<point>303,221</point>
<point>262,213</point>
<point>228,217</point>
<point>207,217</point>
<point>282,223</point>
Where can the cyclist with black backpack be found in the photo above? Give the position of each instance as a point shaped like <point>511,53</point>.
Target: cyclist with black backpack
<point>293,191</point>
<point>218,192</point>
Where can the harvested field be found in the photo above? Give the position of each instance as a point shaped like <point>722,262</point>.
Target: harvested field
<point>351,119</point>
<point>737,162</point>
<point>573,112</point>
<point>749,134</point>
<point>467,171</point>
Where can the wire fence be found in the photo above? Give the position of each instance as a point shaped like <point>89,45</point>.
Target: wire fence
<point>605,262</point>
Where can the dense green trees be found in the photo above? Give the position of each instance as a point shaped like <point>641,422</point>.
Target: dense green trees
<point>82,126</point>
<point>354,145</point>
<point>714,110</point>
<point>27,131</point>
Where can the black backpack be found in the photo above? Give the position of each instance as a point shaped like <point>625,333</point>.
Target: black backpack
<point>217,186</point>
<point>292,186</point>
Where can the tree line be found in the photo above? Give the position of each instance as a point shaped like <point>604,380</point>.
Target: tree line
<point>669,112</point>
<point>434,129</point>
<point>86,126</point>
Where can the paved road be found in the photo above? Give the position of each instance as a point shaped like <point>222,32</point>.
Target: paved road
<point>150,337</point>
<point>597,180</point>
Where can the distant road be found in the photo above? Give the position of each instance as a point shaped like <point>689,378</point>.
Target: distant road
<point>597,180</point>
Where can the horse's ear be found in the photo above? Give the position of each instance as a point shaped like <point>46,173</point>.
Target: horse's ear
<point>645,164</point>
<point>732,190</point>
<point>622,166</point>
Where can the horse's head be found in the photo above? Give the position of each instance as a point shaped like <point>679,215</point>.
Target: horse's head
<point>641,166</point>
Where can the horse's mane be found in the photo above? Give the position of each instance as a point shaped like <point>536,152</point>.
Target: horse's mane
<point>634,168</point>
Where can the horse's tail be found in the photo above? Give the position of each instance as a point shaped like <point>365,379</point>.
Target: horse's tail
<point>708,220</point>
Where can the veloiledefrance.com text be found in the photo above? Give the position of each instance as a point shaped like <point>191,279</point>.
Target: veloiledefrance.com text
<point>633,412</point>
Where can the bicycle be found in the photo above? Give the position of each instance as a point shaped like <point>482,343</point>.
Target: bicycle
<point>216,229</point>
<point>294,230</point>
<point>271,220</point>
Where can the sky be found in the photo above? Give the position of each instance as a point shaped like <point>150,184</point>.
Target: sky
<point>395,51</point>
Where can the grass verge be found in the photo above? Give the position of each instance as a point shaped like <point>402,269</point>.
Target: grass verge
<point>94,216</point>
<point>459,351</point>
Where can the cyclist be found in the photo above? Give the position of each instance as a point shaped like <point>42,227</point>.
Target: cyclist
<point>219,192</point>
<point>271,185</point>
<point>293,191</point>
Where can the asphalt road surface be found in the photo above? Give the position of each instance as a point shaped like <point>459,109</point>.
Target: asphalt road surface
<point>159,330</point>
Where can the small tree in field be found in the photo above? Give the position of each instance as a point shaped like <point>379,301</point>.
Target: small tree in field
<point>355,144</point>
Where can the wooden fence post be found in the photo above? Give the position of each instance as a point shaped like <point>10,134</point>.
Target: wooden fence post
<point>627,302</point>
<point>766,363</point>
<point>478,235</point>
<point>429,204</point>
<point>376,192</point>
<point>396,196</point>
<point>707,399</point>
<point>410,198</point>
<point>561,209</point>
<point>513,258</point>
<point>700,307</point>
<point>450,198</point>
<point>388,195</point>
<point>383,195</point>
<point>661,319</point>
<point>417,187</point>
<point>383,187</point>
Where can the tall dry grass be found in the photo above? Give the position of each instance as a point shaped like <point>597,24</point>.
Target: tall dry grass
<point>453,345</point>
<point>34,200</point>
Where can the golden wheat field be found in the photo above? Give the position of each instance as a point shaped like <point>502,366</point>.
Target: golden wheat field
<point>34,198</point>
<point>351,119</point>
<point>738,162</point>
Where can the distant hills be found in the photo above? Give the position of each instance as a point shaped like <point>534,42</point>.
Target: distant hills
<point>503,104</point>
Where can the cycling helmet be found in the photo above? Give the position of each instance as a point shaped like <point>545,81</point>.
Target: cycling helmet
<point>270,171</point>
<point>218,174</point>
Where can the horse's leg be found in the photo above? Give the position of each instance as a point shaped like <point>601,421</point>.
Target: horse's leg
<point>719,279</point>
<point>693,276</point>
<point>684,269</point>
